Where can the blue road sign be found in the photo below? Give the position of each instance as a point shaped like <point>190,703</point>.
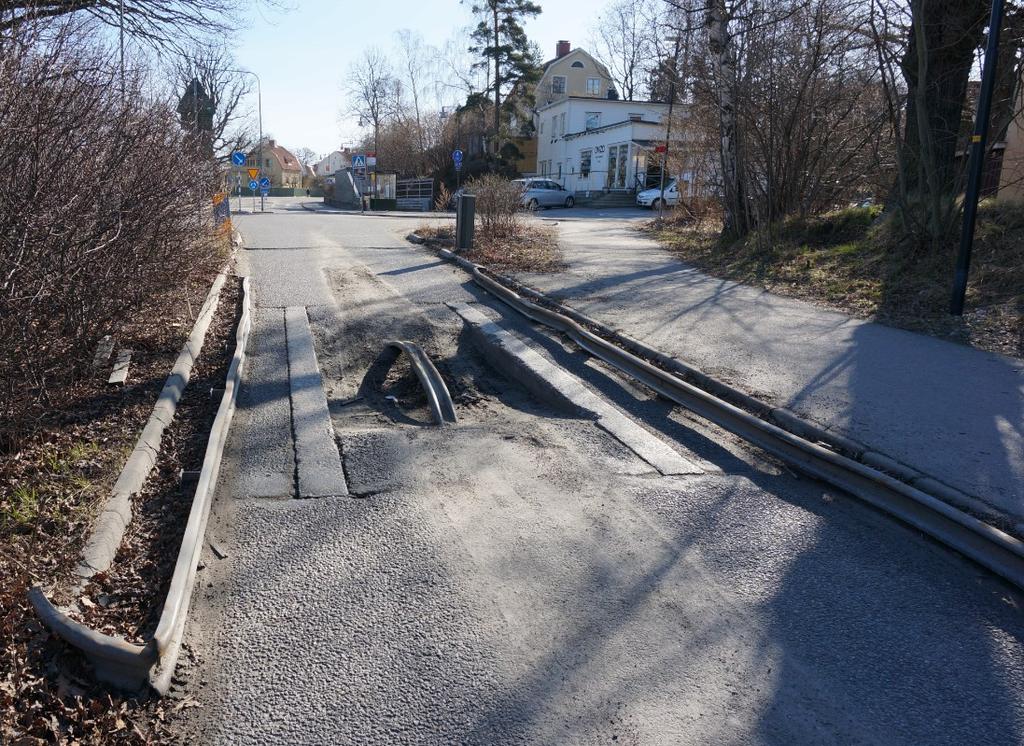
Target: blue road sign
<point>254,185</point>
<point>264,183</point>
<point>238,158</point>
<point>359,161</point>
<point>458,165</point>
<point>457,156</point>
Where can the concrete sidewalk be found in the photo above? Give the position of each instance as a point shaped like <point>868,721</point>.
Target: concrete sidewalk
<point>950,411</point>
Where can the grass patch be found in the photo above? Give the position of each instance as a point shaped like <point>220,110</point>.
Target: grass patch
<point>852,260</point>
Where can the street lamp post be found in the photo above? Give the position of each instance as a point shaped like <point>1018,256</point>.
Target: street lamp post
<point>259,109</point>
<point>977,161</point>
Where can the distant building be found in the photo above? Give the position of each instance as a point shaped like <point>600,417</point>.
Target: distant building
<point>279,165</point>
<point>588,144</point>
<point>332,163</point>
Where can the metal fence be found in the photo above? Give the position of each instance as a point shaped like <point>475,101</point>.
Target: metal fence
<point>415,194</point>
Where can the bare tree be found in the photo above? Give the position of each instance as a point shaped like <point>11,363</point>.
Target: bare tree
<point>170,24</point>
<point>415,68</point>
<point>214,69</point>
<point>373,91</point>
<point>622,39</point>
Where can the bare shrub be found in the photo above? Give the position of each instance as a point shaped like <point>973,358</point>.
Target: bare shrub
<point>498,206</point>
<point>104,207</point>
<point>443,200</point>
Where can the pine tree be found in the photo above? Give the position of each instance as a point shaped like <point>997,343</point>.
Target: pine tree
<point>505,52</point>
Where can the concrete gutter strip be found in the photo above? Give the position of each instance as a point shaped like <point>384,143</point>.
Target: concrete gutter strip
<point>786,419</point>
<point>317,462</point>
<point>117,512</point>
<point>509,354</point>
<point>116,661</point>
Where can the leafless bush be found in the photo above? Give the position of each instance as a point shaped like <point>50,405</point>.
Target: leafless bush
<point>498,206</point>
<point>443,200</point>
<point>101,210</point>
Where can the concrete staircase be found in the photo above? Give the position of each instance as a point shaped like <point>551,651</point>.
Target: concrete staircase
<point>606,200</point>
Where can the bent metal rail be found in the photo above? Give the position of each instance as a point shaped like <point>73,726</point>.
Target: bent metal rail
<point>985,544</point>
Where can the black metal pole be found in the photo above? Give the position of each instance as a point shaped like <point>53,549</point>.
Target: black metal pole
<point>977,160</point>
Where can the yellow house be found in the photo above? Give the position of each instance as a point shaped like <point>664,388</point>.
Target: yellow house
<point>573,72</point>
<point>283,168</point>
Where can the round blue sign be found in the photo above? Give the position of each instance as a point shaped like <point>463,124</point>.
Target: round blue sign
<point>264,183</point>
<point>254,185</point>
<point>238,158</point>
<point>457,156</point>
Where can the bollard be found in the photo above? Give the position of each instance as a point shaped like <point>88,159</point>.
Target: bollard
<point>465,221</point>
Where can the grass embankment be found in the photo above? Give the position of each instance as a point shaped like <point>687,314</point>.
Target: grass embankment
<point>531,248</point>
<point>851,260</point>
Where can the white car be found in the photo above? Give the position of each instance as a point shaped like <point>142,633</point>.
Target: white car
<point>652,197</point>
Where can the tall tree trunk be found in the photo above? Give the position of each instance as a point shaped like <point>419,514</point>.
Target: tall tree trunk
<point>944,35</point>
<point>497,81</point>
<point>723,62</point>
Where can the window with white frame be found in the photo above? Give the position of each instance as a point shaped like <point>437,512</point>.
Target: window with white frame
<point>593,120</point>
<point>577,64</point>
<point>585,156</point>
<point>561,123</point>
<point>554,126</point>
<point>594,86</point>
<point>558,84</point>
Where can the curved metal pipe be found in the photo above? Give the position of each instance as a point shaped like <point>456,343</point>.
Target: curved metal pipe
<point>437,392</point>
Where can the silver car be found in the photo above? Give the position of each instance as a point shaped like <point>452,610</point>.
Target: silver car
<point>544,193</point>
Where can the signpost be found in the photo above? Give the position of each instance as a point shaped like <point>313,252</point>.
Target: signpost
<point>457,159</point>
<point>253,186</point>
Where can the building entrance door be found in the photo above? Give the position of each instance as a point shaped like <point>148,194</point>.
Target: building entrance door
<point>618,160</point>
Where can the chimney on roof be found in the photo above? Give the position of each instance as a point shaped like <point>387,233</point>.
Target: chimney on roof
<point>562,48</point>
<point>271,143</point>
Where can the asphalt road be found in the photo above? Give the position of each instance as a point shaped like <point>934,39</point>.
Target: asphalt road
<point>952,412</point>
<point>525,578</point>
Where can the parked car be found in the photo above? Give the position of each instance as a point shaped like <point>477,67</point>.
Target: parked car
<point>652,197</point>
<point>544,193</point>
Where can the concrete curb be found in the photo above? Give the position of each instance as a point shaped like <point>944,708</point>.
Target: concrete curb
<point>117,512</point>
<point>515,359</point>
<point>782,417</point>
<point>126,665</point>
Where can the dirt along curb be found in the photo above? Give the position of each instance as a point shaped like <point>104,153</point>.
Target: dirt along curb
<point>116,514</point>
<point>780,417</point>
<point>115,660</point>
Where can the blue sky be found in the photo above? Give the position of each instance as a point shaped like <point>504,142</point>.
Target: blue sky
<point>302,54</point>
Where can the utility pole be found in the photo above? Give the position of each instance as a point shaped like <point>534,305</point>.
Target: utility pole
<point>668,128</point>
<point>977,161</point>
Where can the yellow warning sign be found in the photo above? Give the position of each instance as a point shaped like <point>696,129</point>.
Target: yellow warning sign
<point>253,172</point>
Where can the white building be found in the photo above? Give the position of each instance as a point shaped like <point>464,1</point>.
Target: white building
<point>589,144</point>
<point>329,164</point>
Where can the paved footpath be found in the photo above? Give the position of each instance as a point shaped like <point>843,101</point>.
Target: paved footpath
<point>951,411</point>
